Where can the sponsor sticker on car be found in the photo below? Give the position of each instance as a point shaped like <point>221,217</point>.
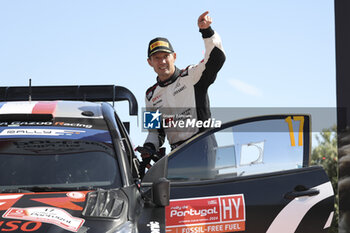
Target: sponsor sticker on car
<point>41,132</point>
<point>206,214</point>
<point>50,215</point>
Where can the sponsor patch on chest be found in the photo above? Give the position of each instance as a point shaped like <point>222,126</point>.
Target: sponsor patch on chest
<point>179,89</point>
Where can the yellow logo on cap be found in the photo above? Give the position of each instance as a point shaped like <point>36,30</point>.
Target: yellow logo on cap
<point>158,44</point>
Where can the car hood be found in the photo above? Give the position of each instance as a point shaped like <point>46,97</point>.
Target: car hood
<point>76,211</point>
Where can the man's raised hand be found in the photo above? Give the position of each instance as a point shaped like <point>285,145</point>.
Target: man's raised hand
<point>204,20</point>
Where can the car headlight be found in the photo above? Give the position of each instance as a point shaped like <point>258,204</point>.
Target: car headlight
<point>127,227</point>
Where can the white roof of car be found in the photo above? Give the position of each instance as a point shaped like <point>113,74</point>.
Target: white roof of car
<point>71,109</point>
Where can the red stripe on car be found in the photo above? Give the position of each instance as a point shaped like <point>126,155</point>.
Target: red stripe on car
<point>43,107</point>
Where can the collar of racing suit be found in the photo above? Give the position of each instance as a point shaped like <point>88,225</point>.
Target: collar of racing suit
<point>171,79</point>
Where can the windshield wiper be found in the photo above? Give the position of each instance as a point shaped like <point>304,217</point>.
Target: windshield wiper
<point>46,189</point>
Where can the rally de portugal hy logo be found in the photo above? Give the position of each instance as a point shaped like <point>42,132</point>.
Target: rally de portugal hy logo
<point>151,120</point>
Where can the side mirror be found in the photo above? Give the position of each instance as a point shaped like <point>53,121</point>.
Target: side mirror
<point>157,193</point>
<point>161,192</point>
<point>155,187</point>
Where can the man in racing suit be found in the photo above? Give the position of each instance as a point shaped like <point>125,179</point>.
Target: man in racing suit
<point>181,94</point>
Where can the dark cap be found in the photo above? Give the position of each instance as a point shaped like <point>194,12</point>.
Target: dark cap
<point>159,44</point>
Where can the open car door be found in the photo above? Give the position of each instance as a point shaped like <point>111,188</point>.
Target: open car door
<point>250,175</point>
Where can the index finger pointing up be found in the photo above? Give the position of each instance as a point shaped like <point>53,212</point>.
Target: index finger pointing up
<point>202,16</point>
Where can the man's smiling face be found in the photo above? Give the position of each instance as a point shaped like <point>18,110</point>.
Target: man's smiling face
<point>163,64</point>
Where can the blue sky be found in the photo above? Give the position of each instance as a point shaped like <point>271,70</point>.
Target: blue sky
<point>279,53</point>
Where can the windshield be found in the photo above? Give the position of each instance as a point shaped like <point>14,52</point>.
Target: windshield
<point>57,163</point>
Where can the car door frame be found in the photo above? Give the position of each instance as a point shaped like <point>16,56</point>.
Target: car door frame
<point>182,190</point>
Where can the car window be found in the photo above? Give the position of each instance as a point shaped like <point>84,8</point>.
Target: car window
<point>58,152</point>
<point>57,163</point>
<point>252,147</point>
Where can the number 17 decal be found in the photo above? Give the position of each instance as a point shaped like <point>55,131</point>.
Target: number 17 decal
<point>291,131</point>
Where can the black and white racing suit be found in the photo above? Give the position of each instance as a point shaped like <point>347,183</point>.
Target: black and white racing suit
<point>185,93</point>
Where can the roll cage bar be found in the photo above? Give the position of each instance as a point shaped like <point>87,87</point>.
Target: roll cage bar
<point>96,93</point>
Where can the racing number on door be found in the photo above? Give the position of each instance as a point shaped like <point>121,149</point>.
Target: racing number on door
<point>289,120</point>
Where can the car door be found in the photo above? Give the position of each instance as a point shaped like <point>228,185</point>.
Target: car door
<point>250,175</point>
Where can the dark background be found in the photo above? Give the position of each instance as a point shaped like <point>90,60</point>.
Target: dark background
<point>342,38</point>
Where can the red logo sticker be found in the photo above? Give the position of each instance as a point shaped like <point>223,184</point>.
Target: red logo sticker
<point>206,214</point>
<point>49,215</point>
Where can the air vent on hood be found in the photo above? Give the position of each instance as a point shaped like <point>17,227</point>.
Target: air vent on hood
<point>105,203</point>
